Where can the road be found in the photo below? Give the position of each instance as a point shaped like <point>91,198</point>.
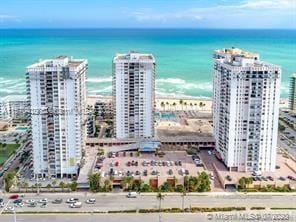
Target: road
<point>119,201</point>
<point>164,217</point>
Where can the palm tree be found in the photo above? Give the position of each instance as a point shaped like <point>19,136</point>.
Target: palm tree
<point>108,185</point>
<point>167,104</point>
<point>162,104</point>
<point>183,199</point>
<point>54,183</point>
<point>62,185</point>
<point>185,103</point>
<point>127,183</point>
<point>48,186</point>
<point>191,105</point>
<point>174,105</point>
<point>160,197</point>
<point>201,104</point>
<point>181,103</point>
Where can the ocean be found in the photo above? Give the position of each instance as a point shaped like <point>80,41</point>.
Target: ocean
<point>183,56</point>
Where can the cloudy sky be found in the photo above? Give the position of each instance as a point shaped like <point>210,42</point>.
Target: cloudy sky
<point>148,14</point>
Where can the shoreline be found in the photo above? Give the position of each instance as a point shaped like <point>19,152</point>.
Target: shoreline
<point>172,103</point>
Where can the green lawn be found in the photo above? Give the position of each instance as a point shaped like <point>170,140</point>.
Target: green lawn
<point>7,151</point>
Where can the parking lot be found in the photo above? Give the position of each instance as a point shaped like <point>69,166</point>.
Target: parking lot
<point>145,166</point>
<point>282,176</point>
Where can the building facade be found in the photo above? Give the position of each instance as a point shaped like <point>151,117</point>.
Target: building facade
<point>245,110</point>
<point>14,108</point>
<point>133,95</point>
<point>57,95</point>
<point>292,97</point>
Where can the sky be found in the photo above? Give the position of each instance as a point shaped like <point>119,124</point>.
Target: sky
<point>243,14</point>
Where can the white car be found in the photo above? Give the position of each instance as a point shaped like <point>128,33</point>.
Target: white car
<point>76,205</point>
<point>132,195</point>
<point>29,201</point>
<point>72,200</point>
<point>9,209</point>
<point>90,201</point>
<point>19,205</point>
<point>43,200</point>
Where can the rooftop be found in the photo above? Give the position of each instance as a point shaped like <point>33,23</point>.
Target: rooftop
<point>134,56</point>
<point>236,52</point>
<point>59,61</point>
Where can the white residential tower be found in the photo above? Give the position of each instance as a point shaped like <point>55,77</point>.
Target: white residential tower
<point>245,110</point>
<point>57,95</point>
<point>133,95</point>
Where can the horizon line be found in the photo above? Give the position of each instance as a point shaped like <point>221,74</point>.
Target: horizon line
<point>143,28</point>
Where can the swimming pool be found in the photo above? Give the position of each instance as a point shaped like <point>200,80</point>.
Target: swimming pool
<point>165,116</point>
<point>21,129</point>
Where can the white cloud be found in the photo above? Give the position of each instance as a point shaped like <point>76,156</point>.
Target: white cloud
<point>5,17</point>
<point>245,10</point>
<point>268,4</point>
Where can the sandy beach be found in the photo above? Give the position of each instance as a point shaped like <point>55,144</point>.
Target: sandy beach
<point>176,103</point>
<point>167,103</point>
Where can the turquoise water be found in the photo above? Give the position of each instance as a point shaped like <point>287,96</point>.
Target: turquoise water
<point>165,116</point>
<point>184,56</point>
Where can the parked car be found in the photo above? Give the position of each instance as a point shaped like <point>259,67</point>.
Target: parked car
<point>228,177</point>
<point>17,201</point>
<point>291,178</point>
<point>282,178</point>
<point>14,197</point>
<point>145,173</point>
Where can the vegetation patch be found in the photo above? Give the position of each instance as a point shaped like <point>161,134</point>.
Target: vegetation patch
<point>257,208</point>
<point>283,208</point>
<point>6,150</point>
<point>192,210</point>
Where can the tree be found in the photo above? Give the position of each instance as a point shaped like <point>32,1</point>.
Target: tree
<point>242,182</point>
<point>108,185</point>
<point>205,182</point>
<point>174,105</point>
<point>281,127</point>
<point>127,183</point>
<point>73,186</point>
<point>62,185</point>
<point>160,198</point>
<point>201,104</point>
<point>145,188</point>
<point>166,187</point>
<point>48,186</point>
<point>181,103</point>
<point>183,199</point>
<point>162,104</point>
<point>54,183</point>
<point>185,103</point>
<point>94,182</point>
<point>9,180</point>
<point>179,188</point>
<point>167,104</point>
